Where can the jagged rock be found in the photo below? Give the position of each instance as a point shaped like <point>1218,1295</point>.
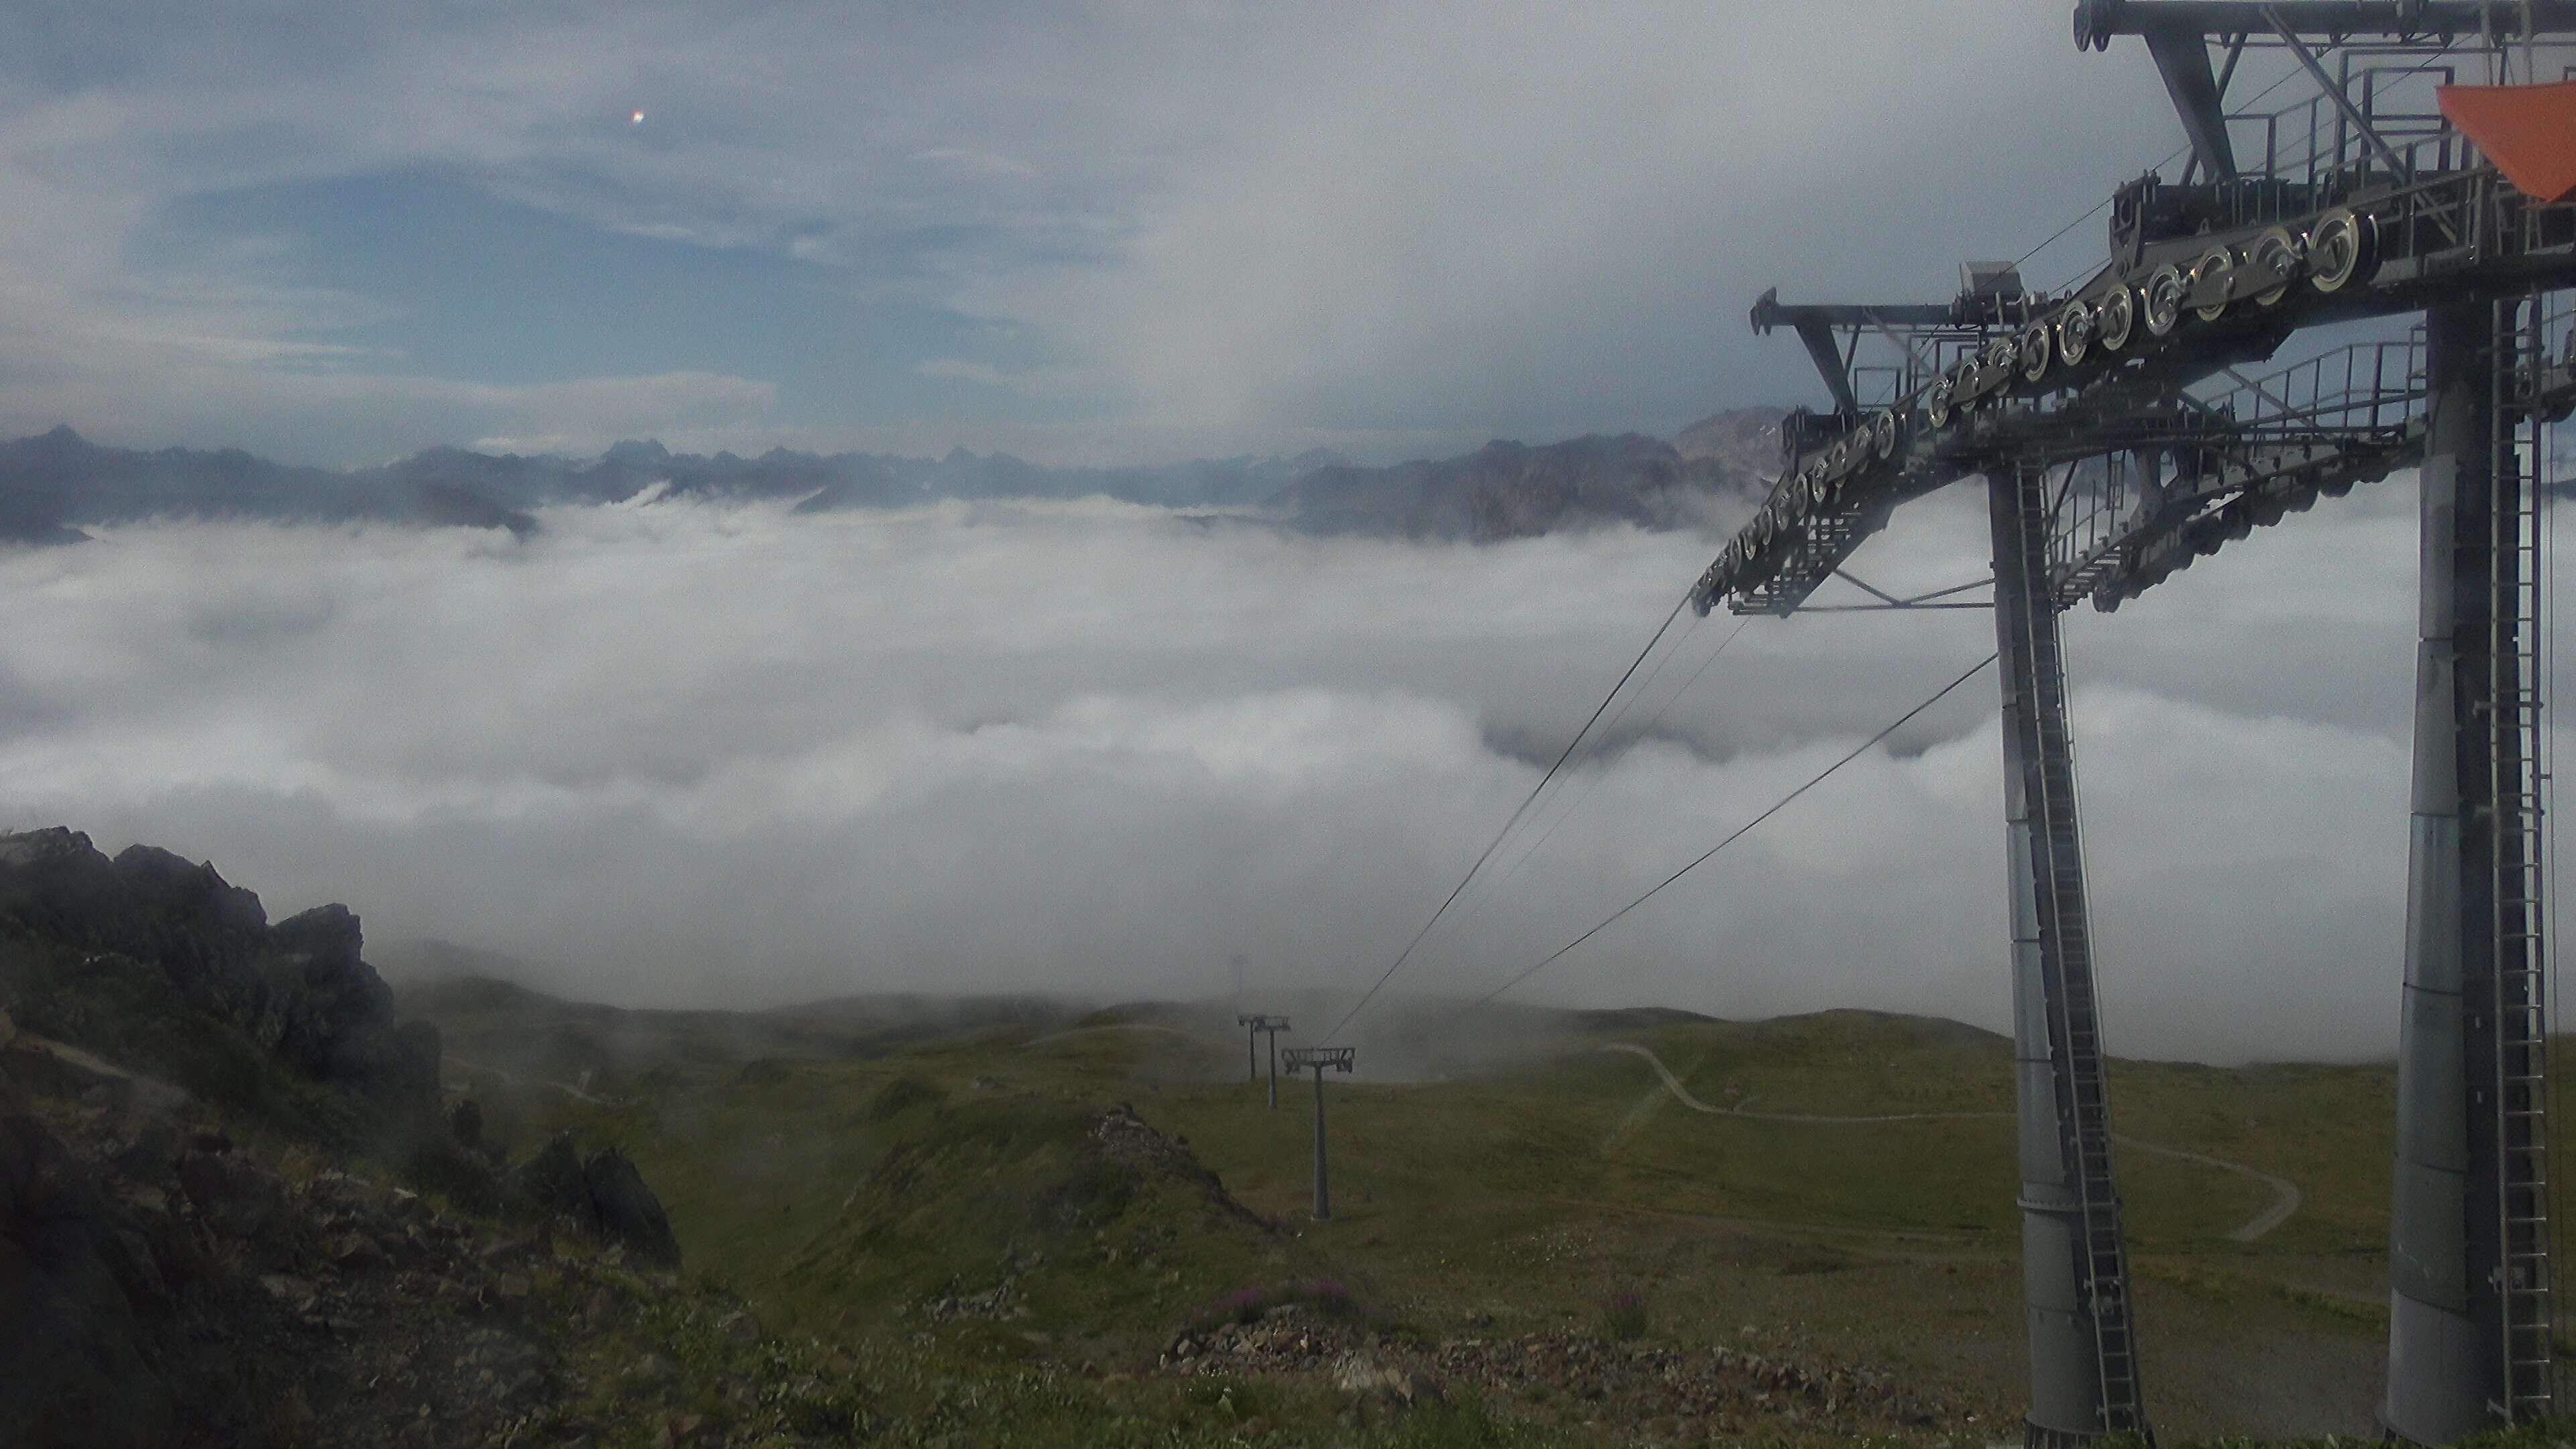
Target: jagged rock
<point>465,1124</point>
<point>298,987</point>
<point>191,888</point>
<point>236,1200</point>
<point>605,1193</point>
<point>625,1209</point>
<point>335,1015</point>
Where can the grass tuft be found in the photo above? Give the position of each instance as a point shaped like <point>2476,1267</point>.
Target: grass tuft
<point>1623,1314</point>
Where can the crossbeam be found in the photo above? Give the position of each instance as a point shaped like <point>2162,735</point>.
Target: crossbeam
<point>2098,22</point>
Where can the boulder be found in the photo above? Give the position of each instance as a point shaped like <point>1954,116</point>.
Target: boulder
<point>465,1124</point>
<point>604,1193</point>
<point>236,1200</point>
<point>622,1207</point>
<point>76,1282</point>
<point>332,1017</point>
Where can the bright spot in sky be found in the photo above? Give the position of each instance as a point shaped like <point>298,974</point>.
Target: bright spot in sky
<point>636,120</point>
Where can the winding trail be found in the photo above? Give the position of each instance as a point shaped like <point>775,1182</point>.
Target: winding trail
<point>513,1079</point>
<point>2285,1193</point>
<point>151,1093</point>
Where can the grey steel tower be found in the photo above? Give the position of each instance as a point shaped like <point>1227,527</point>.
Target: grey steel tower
<point>1321,1060</point>
<point>2120,440</point>
<point>1255,1024</point>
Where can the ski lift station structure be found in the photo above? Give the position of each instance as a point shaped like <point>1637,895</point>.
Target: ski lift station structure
<point>2419,192</point>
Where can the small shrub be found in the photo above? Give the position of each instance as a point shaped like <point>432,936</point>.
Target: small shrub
<point>1458,1426</point>
<point>433,1163</point>
<point>1623,1314</point>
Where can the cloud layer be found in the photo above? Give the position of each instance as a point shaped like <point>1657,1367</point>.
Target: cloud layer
<point>723,755</point>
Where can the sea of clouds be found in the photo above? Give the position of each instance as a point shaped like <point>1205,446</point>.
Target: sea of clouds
<point>723,755</point>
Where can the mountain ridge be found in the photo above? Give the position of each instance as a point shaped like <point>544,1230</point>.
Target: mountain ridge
<point>56,485</point>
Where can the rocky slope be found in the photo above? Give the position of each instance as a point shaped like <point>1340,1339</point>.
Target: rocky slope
<point>1743,443</point>
<point>233,1213</point>
<point>297,989</point>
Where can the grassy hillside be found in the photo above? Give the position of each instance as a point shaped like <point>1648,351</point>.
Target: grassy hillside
<point>860,1171</point>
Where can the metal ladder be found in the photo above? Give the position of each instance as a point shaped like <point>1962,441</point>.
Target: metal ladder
<point>2520,785</point>
<point>2075,1025</point>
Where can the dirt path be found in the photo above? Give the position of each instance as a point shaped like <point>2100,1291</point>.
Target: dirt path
<point>512,1078</point>
<point>2285,1193</point>
<point>150,1093</point>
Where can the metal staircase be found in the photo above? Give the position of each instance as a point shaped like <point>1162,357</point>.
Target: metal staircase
<point>2520,786</point>
<point>2083,1112</point>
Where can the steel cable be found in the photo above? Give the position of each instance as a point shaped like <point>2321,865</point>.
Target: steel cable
<point>1741,831</point>
<point>1594,787</point>
<point>1523,809</point>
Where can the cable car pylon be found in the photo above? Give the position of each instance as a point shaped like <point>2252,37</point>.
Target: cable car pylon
<point>2119,441</point>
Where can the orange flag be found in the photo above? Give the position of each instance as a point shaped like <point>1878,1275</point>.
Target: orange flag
<point>2529,132</point>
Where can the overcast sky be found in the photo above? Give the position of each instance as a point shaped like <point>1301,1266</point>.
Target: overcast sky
<point>682,752</point>
<point>1096,231</point>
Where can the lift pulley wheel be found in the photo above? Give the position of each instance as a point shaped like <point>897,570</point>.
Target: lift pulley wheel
<point>1996,375</point>
<point>1936,403</point>
<point>2279,252</point>
<point>2213,282</point>
<point>2074,332</point>
<point>2164,294</point>
<point>2342,249</point>
<point>1882,435</point>
<point>2115,317</point>
<point>2036,352</point>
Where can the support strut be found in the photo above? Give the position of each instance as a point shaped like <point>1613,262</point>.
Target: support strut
<point>2083,1366</point>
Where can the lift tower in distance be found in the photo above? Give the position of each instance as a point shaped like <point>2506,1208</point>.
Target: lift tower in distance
<point>2430,176</point>
<point>1256,1024</point>
<point>1321,1060</point>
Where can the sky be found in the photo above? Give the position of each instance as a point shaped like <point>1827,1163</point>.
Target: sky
<point>337,231</point>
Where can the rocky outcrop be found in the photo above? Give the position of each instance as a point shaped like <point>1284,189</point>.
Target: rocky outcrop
<point>300,988</point>
<point>162,1287</point>
<point>333,1016</point>
<point>603,1192</point>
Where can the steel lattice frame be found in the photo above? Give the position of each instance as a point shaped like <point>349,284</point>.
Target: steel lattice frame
<point>2121,439</point>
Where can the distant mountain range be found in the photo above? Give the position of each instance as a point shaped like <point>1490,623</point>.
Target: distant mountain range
<point>55,484</point>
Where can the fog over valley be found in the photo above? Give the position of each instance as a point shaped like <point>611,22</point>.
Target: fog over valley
<point>680,751</point>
